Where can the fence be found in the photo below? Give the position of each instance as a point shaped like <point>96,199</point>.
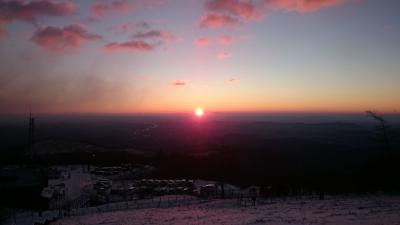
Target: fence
<point>156,202</point>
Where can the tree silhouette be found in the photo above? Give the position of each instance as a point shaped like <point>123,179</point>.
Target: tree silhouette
<point>382,127</point>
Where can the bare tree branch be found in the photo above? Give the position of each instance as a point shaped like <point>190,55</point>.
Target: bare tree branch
<point>382,126</point>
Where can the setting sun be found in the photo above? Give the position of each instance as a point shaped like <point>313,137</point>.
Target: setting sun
<point>199,112</point>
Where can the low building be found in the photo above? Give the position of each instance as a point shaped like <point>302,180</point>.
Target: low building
<point>21,187</point>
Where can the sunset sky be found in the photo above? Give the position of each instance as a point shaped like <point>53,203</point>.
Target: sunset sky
<point>129,56</point>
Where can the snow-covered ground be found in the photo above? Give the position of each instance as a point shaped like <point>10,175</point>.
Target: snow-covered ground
<point>343,210</point>
<point>75,179</point>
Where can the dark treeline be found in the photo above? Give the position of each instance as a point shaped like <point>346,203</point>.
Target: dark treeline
<point>314,169</point>
<point>283,172</point>
<point>330,157</point>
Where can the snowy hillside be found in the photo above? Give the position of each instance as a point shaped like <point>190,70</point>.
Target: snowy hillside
<point>368,210</point>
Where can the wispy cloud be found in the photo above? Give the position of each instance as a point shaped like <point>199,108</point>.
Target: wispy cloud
<point>389,28</point>
<point>132,46</point>
<point>145,39</point>
<point>179,83</point>
<point>155,34</point>
<point>126,27</point>
<point>69,91</point>
<point>224,55</point>
<point>301,6</point>
<point>102,7</point>
<point>225,40</point>
<point>144,77</point>
<point>232,81</point>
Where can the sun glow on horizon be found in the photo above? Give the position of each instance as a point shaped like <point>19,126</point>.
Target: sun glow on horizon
<point>199,112</point>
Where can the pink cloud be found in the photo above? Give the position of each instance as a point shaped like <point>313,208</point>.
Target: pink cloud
<point>99,9</point>
<point>221,13</point>
<point>242,8</point>
<point>102,7</point>
<point>30,11</point>
<point>144,40</point>
<point>122,6</point>
<point>224,55</point>
<point>63,39</point>
<point>301,6</point>
<point>225,40</point>
<point>132,46</point>
<point>179,83</point>
<point>202,41</point>
<point>155,34</point>
<point>212,20</point>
